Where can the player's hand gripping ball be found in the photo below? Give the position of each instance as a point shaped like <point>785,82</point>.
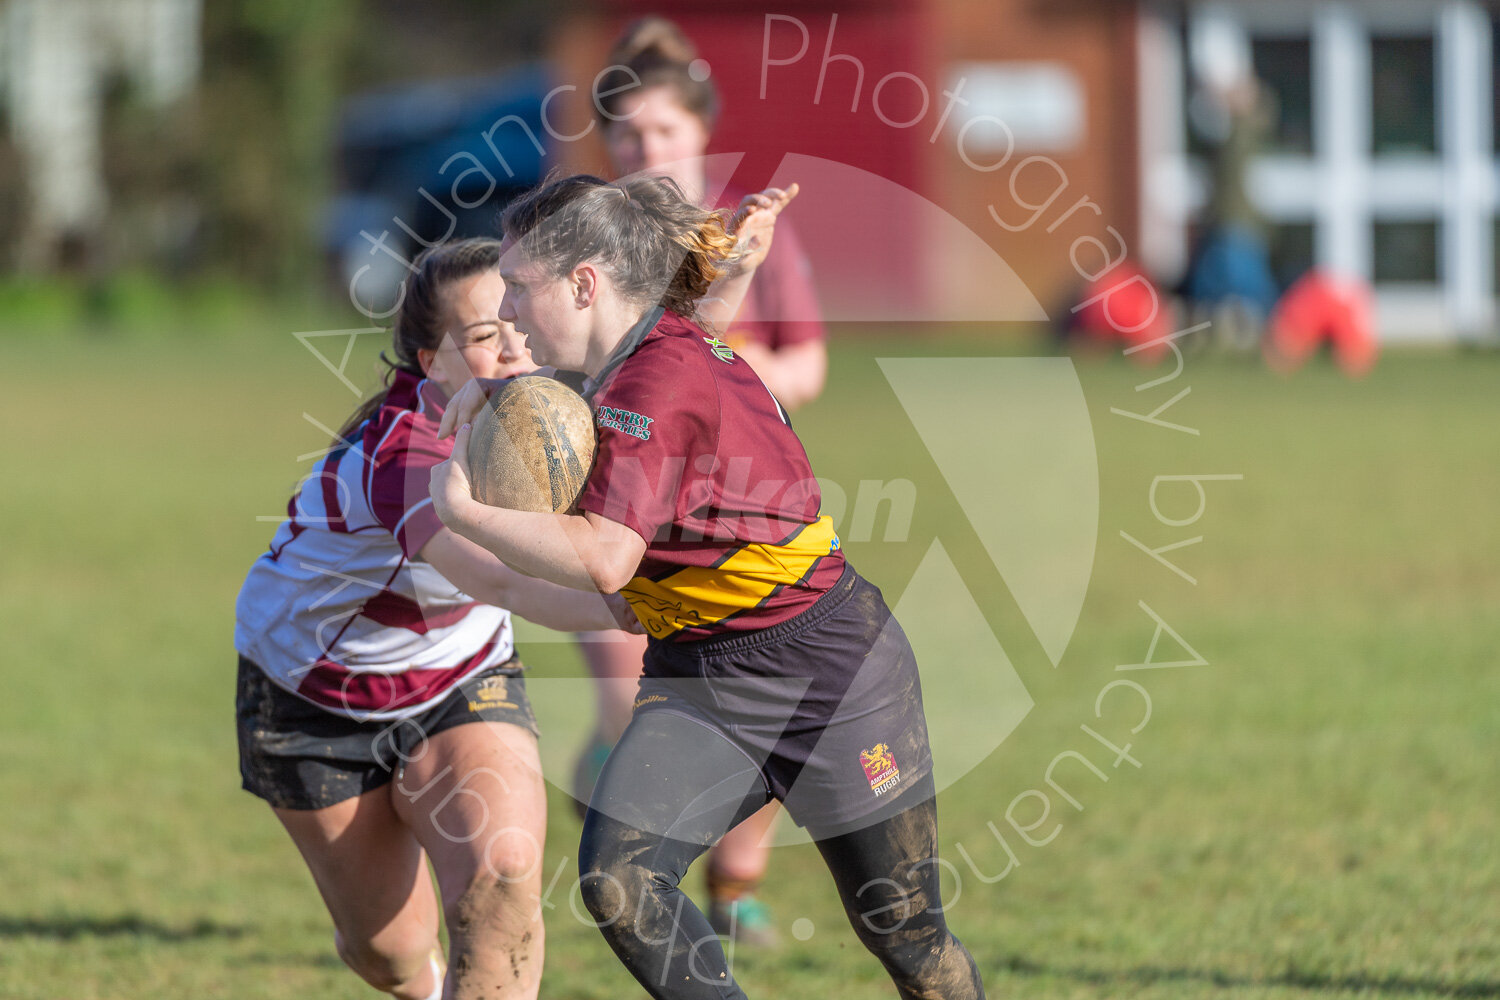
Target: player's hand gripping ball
<point>532,447</point>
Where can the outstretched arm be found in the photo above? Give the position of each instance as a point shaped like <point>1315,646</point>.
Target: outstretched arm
<point>754,226</point>
<point>478,573</point>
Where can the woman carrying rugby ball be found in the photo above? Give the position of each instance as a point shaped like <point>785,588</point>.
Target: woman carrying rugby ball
<point>773,669</point>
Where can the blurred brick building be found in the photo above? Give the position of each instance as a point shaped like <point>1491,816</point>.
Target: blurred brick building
<point>890,88</point>
<point>1382,162</point>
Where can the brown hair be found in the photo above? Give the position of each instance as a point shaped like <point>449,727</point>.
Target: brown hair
<point>656,51</point>
<point>657,247</point>
<point>420,309</point>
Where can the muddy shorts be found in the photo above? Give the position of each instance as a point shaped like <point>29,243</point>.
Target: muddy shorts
<point>827,705</point>
<point>295,755</point>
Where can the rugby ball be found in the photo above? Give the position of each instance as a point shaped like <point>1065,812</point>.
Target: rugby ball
<point>532,447</point>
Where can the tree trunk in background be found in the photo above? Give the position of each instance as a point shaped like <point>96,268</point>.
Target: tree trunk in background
<point>267,105</point>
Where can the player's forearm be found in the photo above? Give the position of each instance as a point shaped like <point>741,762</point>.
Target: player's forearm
<point>551,547</point>
<point>718,308</point>
<point>754,226</point>
<point>557,607</point>
<point>477,572</point>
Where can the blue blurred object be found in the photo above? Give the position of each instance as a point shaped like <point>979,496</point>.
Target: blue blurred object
<point>1232,264</point>
<point>429,160</point>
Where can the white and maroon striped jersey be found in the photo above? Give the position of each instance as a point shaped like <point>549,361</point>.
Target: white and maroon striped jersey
<point>340,610</point>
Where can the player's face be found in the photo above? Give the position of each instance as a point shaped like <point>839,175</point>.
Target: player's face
<point>659,135</point>
<point>475,342</point>
<point>542,309</point>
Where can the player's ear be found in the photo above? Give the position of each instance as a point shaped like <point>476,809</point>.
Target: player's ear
<point>425,358</point>
<point>585,280</point>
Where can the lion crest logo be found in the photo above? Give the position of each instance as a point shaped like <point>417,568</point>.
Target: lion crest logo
<point>880,768</point>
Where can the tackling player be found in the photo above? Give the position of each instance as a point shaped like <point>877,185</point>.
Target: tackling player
<point>381,708</point>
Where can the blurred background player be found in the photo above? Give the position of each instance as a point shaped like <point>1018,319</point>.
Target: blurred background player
<point>664,126</point>
<point>1229,278</point>
<point>374,686</point>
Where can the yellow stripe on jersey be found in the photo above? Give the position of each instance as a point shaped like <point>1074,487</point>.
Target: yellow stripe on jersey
<point>699,595</point>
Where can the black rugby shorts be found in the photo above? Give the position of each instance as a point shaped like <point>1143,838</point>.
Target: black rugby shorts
<point>295,755</point>
<point>827,704</point>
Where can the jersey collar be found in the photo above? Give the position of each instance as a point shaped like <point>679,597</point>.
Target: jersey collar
<point>623,350</point>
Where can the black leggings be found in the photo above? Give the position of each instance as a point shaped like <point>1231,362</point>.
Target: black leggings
<point>671,789</point>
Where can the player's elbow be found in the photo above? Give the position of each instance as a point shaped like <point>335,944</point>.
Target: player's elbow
<point>611,553</point>
<point>795,397</point>
<point>795,394</point>
<point>609,578</point>
<point>801,374</point>
<point>612,567</point>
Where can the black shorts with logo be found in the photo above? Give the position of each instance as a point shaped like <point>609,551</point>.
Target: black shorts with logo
<point>828,704</point>
<point>296,755</point>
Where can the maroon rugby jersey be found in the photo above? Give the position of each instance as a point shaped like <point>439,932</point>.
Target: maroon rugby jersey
<point>697,457</point>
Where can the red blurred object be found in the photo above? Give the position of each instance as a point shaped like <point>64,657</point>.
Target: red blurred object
<point>1123,308</point>
<point>1322,308</point>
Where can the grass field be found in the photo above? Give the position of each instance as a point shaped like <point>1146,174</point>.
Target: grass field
<point>1316,814</point>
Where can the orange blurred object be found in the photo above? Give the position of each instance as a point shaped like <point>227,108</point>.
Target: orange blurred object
<point>1324,308</point>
